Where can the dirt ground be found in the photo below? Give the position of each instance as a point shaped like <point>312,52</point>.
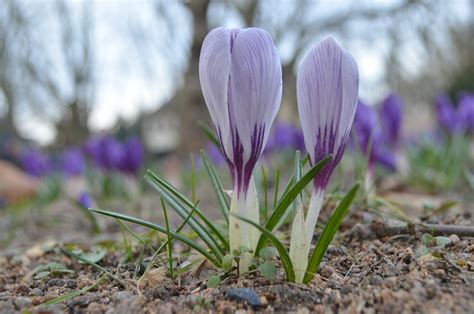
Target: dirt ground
<point>361,272</point>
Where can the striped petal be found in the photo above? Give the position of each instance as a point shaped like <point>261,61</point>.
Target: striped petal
<point>327,89</point>
<point>240,74</point>
<point>214,73</point>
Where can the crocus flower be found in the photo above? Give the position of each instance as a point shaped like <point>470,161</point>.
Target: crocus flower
<point>106,151</point>
<point>132,155</point>
<point>241,80</point>
<point>35,162</point>
<point>446,113</point>
<point>465,113</point>
<point>285,136</point>
<point>85,200</point>
<point>367,129</point>
<point>390,116</point>
<point>215,155</point>
<point>370,140</point>
<point>72,161</point>
<point>327,89</point>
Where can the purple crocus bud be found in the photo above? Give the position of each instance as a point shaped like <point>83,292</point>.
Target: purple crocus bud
<point>391,115</point>
<point>327,88</point>
<point>35,162</point>
<point>215,155</point>
<point>465,114</point>
<point>85,200</point>
<point>240,74</point>
<point>367,130</point>
<point>241,80</point>
<point>327,92</point>
<point>132,155</point>
<point>446,113</point>
<point>285,136</point>
<point>106,151</point>
<point>72,161</point>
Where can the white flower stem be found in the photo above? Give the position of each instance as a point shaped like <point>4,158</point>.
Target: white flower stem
<point>313,212</point>
<point>242,234</point>
<point>299,246</point>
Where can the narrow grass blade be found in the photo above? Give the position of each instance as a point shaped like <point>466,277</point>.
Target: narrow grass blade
<point>265,195</point>
<point>168,240</point>
<point>163,245</point>
<point>74,294</point>
<point>329,231</point>
<point>284,257</point>
<point>277,185</point>
<point>217,186</point>
<point>176,203</point>
<point>292,179</point>
<point>161,229</point>
<point>210,134</point>
<point>288,198</point>
<point>95,265</point>
<point>174,193</point>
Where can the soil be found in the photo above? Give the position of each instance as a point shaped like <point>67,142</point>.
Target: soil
<point>361,273</point>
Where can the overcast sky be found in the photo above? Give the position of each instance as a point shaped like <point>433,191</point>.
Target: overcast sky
<point>130,81</point>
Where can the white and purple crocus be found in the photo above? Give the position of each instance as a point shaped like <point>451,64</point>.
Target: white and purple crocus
<point>327,93</point>
<point>241,79</point>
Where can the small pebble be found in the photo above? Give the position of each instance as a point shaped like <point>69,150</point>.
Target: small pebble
<point>123,295</point>
<point>22,302</point>
<point>346,290</point>
<point>454,239</point>
<point>37,292</point>
<point>390,282</point>
<point>244,295</point>
<point>375,280</point>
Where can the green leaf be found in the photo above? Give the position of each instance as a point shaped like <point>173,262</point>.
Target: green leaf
<point>267,253</point>
<point>442,242</point>
<point>210,134</point>
<point>178,204</point>
<point>217,186</point>
<point>267,270</point>
<point>428,240</point>
<point>328,233</point>
<point>168,239</point>
<point>227,262</point>
<point>161,229</point>
<point>42,274</point>
<point>213,281</point>
<point>288,199</point>
<point>284,257</point>
<point>95,255</point>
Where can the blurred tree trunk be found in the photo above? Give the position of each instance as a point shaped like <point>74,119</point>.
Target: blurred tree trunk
<point>189,100</point>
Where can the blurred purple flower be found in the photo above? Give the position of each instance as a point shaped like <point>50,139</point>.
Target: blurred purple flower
<point>390,116</point>
<point>72,161</point>
<point>35,162</point>
<point>367,129</point>
<point>465,113</point>
<point>106,151</point>
<point>446,113</point>
<point>215,155</point>
<point>368,133</point>
<point>85,200</point>
<point>132,156</point>
<point>285,136</point>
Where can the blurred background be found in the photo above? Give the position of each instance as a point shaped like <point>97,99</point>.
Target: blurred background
<point>73,68</point>
<point>93,93</point>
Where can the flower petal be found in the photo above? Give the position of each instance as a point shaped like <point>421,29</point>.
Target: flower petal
<point>255,88</point>
<point>327,88</point>
<point>214,72</point>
